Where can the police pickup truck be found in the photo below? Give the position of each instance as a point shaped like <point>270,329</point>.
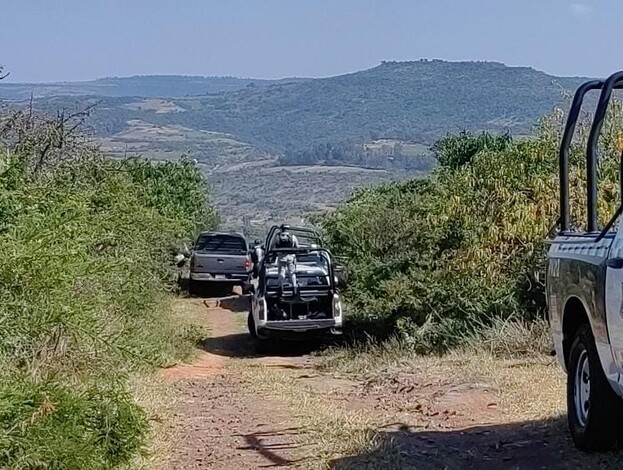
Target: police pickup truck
<point>584,288</point>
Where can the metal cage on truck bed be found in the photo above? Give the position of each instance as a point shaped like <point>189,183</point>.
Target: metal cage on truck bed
<point>614,82</point>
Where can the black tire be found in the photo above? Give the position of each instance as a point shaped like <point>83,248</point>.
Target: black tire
<point>192,287</point>
<point>599,427</point>
<point>251,326</point>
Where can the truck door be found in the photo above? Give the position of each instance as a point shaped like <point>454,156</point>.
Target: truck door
<point>614,298</point>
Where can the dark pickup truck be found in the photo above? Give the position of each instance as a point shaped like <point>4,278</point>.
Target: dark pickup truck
<point>220,257</point>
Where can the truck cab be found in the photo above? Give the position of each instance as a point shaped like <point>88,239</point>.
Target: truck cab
<point>584,289</point>
<point>221,257</point>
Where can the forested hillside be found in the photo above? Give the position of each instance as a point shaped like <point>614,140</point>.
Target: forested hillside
<point>408,102</point>
<point>403,100</point>
<point>147,86</point>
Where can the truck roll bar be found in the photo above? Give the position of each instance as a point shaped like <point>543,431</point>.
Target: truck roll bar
<point>567,137</point>
<point>615,81</point>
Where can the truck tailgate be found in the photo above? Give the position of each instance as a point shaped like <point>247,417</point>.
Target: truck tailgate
<point>217,263</point>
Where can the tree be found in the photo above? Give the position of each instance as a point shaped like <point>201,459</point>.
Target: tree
<point>454,151</point>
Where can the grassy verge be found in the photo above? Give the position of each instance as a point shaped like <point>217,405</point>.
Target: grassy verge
<point>84,294</point>
<point>357,434</point>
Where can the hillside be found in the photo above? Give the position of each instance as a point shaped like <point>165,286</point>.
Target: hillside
<point>402,101</point>
<point>146,86</point>
<point>384,118</point>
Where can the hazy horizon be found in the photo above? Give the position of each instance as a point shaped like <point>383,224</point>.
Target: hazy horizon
<point>266,78</point>
<point>70,40</point>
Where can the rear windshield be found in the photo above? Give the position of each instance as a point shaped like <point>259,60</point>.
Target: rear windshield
<point>221,244</point>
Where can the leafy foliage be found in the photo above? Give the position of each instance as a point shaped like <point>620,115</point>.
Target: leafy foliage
<point>63,428</point>
<point>437,259</point>
<point>83,305</point>
<point>454,151</point>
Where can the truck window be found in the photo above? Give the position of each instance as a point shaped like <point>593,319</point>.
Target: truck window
<point>226,244</point>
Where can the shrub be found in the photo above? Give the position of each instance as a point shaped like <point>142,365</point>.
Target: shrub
<point>434,260</point>
<point>86,265</point>
<point>44,424</point>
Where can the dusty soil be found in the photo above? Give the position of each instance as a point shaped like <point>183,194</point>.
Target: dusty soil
<point>239,410</point>
<point>218,422</point>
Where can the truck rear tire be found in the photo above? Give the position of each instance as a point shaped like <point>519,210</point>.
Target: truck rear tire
<point>594,410</point>
<point>251,326</point>
<point>192,287</point>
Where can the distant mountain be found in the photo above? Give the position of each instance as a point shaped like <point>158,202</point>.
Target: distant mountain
<point>397,100</point>
<point>322,121</point>
<point>276,150</point>
<point>149,86</point>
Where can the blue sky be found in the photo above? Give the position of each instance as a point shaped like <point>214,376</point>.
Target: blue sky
<point>49,40</point>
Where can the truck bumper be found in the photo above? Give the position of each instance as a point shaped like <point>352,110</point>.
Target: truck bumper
<point>301,329</point>
<point>223,277</point>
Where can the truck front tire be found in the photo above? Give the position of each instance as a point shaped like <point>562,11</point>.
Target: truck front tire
<point>594,410</point>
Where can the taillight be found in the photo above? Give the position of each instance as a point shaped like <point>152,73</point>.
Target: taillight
<point>192,262</point>
<point>337,307</point>
<point>247,263</point>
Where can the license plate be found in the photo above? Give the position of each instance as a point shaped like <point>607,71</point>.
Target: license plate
<point>219,276</point>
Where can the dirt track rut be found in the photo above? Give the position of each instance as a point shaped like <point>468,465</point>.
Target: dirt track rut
<point>218,423</point>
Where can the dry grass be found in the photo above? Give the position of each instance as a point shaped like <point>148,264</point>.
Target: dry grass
<point>157,399</point>
<point>526,390</point>
<point>330,432</point>
<point>516,380</point>
<point>512,338</point>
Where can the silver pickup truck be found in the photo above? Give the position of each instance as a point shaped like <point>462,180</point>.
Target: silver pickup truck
<point>584,288</point>
<point>220,257</point>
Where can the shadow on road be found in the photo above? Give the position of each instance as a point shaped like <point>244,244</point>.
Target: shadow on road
<point>272,445</point>
<point>209,290</point>
<point>232,302</point>
<point>524,445</point>
<point>242,345</point>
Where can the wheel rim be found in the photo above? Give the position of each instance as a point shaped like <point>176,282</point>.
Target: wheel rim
<point>582,388</point>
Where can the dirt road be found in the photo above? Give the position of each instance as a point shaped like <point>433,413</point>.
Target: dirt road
<point>238,410</point>
<point>218,421</point>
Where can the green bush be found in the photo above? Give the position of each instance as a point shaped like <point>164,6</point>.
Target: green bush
<point>434,260</point>
<point>86,266</point>
<point>44,424</point>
